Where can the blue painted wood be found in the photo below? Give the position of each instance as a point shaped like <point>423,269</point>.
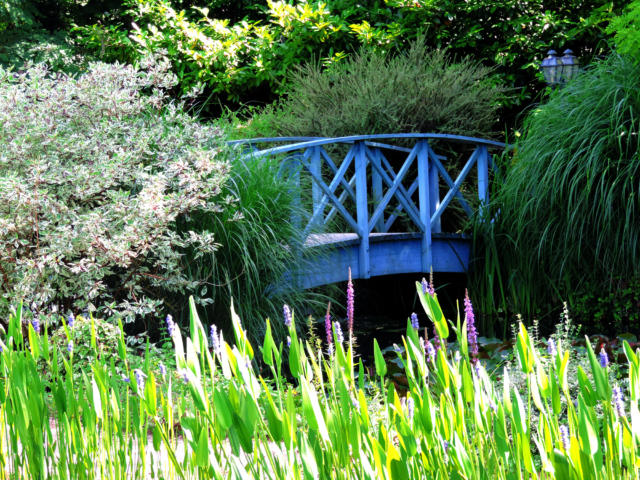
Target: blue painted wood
<point>329,218</point>
<point>390,254</point>
<point>451,184</point>
<point>367,246</point>
<point>456,186</point>
<point>385,136</point>
<point>377,214</point>
<point>398,210</point>
<point>318,212</point>
<point>343,211</point>
<point>316,168</point>
<point>376,184</point>
<point>362,210</point>
<point>483,175</point>
<point>391,179</point>
<point>348,187</point>
<point>425,207</point>
<point>434,195</point>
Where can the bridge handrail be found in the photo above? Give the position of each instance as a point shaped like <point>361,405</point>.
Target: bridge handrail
<point>319,141</point>
<point>366,179</point>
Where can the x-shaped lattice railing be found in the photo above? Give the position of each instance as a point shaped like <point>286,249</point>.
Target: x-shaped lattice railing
<point>366,179</point>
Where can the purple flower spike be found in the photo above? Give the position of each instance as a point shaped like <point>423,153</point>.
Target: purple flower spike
<point>287,315</point>
<point>350,304</point>
<point>411,407</point>
<point>69,347</point>
<point>215,339</point>
<point>551,347</point>
<point>163,370</point>
<point>425,285</point>
<point>431,352</point>
<point>338,329</point>
<point>35,323</point>
<point>288,341</point>
<point>472,333</point>
<point>71,320</point>
<point>327,327</point>
<point>564,437</point>
<point>171,326</point>
<point>604,359</point>
<point>414,321</point>
<point>436,338</point>
<point>140,376</point>
<point>618,400</point>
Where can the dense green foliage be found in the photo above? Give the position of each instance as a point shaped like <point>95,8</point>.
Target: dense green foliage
<point>612,309</point>
<point>626,28</point>
<point>259,248</point>
<point>246,51</point>
<point>372,92</point>
<point>566,215</point>
<point>93,175</point>
<point>546,420</point>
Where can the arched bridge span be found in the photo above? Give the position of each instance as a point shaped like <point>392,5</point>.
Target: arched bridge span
<point>382,204</point>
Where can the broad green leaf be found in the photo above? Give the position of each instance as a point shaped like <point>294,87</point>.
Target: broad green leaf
<point>198,333</point>
<point>381,365</point>
<point>268,345</point>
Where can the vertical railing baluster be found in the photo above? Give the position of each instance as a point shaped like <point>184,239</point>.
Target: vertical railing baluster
<point>434,196</point>
<point>376,186</point>
<point>483,176</point>
<point>425,207</point>
<point>362,210</point>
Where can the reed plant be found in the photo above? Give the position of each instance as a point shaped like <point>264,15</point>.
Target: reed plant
<point>259,249</point>
<point>565,217</point>
<point>331,418</point>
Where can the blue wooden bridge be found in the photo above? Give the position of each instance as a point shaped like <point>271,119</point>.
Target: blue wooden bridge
<point>375,202</point>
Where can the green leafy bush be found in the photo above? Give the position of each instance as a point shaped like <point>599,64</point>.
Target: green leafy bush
<point>627,30</point>
<point>608,310</point>
<point>417,91</point>
<point>94,173</point>
<point>260,248</point>
<point>246,51</point>
<point>567,212</point>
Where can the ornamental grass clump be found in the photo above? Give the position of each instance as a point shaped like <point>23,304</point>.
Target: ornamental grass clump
<point>94,172</point>
<point>335,420</point>
<point>565,217</point>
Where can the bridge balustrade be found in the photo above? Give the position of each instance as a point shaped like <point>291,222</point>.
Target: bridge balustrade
<point>369,182</point>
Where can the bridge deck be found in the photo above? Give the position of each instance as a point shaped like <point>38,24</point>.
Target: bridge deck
<point>389,254</point>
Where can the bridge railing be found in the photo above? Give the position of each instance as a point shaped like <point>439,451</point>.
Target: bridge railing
<point>361,184</point>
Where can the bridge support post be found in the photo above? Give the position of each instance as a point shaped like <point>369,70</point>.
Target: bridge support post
<point>362,209</point>
<point>424,198</point>
<point>483,176</point>
<point>434,196</point>
<point>376,185</point>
